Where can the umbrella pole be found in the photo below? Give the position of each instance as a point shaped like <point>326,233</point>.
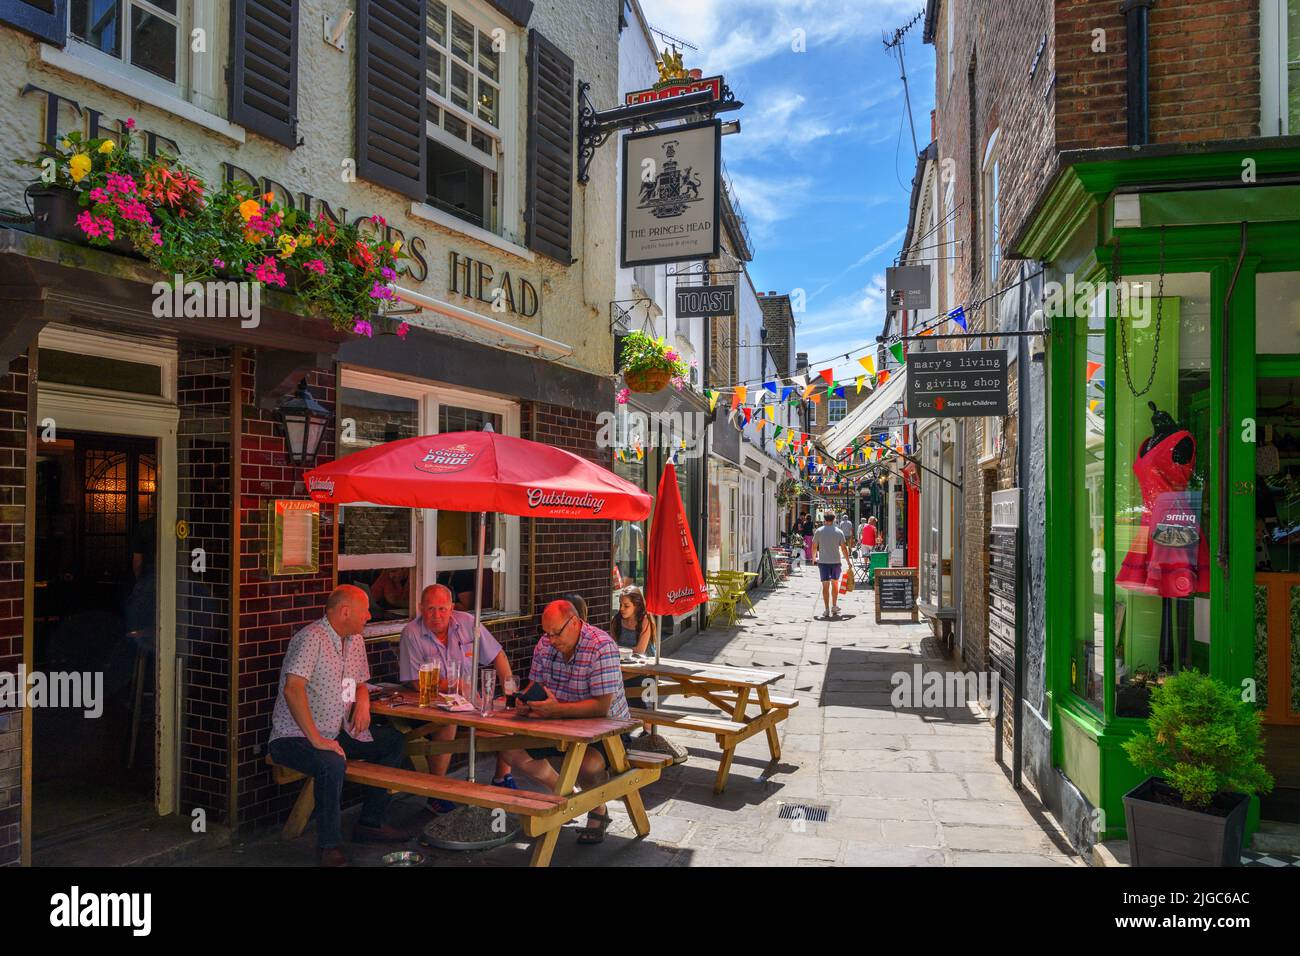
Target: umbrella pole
<point>478,613</point>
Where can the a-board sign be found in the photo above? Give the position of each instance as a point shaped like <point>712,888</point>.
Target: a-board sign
<point>957,384</point>
<point>896,592</point>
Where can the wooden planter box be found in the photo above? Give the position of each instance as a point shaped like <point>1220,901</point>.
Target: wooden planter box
<point>1163,835</point>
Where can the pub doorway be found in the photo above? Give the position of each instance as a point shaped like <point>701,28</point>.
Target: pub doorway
<point>95,613</point>
<point>103,583</point>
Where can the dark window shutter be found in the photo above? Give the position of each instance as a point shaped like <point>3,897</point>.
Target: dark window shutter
<point>391,105</point>
<point>264,68</point>
<point>44,19</point>
<point>519,11</point>
<point>550,149</point>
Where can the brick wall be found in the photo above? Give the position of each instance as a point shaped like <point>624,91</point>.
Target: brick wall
<point>203,598</point>
<point>1204,72</point>
<point>272,609</point>
<point>13,500</point>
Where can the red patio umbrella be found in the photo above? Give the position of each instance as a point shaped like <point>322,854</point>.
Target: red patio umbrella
<point>479,471</point>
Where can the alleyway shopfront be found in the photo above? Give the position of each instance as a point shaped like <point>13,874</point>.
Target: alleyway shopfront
<point>1173,448</point>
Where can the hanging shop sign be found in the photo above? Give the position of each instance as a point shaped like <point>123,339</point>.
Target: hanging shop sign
<point>956,384</point>
<point>907,287</point>
<point>896,592</point>
<point>672,195</point>
<point>705,301</point>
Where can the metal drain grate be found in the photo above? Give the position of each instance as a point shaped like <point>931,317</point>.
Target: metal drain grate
<point>804,811</point>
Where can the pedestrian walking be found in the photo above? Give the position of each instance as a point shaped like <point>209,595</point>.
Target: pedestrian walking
<point>806,528</point>
<point>830,546</point>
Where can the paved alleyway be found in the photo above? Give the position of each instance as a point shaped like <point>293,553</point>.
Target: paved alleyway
<point>900,788</point>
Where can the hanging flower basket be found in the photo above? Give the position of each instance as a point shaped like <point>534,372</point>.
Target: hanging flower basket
<point>647,379</point>
<point>648,364</point>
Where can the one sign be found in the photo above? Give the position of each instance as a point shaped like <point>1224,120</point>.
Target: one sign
<point>677,88</point>
<point>896,592</point>
<point>295,537</point>
<point>1006,509</point>
<point>671,195</point>
<point>956,384</point>
<point>705,301</point>
<point>907,287</point>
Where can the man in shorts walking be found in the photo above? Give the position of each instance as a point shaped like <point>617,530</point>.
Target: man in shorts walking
<point>830,546</point>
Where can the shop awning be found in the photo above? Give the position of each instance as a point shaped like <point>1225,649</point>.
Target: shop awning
<point>865,415</point>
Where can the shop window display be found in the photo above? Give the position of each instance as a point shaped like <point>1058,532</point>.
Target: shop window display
<point>1161,421</point>
<point>1086,663</point>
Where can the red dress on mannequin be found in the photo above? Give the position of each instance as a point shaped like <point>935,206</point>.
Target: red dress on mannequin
<point>1165,570</point>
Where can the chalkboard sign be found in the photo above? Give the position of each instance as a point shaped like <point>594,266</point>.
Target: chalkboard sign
<point>896,592</point>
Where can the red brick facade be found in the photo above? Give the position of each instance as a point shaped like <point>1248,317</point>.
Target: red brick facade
<point>1204,72</point>
<point>14,411</point>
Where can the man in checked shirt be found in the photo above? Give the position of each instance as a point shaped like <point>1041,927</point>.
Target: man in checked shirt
<point>577,666</point>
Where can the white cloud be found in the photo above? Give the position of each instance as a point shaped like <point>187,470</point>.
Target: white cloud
<point>766,200</point>
<point>849,322</point>
<point>880,249</point>
<point>757,29</point>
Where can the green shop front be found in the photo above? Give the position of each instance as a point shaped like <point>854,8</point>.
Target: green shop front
<point>1172,296</point>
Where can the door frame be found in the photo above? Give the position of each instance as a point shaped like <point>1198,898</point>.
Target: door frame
<point>120,414</point>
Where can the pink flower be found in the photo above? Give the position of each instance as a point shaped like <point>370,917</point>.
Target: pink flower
<point>121,183</point>
<point>130,122</point>
<point>381,291</point>
<point>156,238</point>
<point>268,272</point>
<point>388,273</point>
<point>677,382</point>
<point>316,266</point>
<point>95,226</point>
<point>622,395</point>
<point>402,330</point>
<point>134,211</point>
<point>362,327</point>
<point>100,195</point>
<point>219,263</point>
<point>671,356</point>
<point>378,220</point>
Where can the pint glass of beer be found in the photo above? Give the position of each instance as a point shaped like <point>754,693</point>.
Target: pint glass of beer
<point>428,684</point>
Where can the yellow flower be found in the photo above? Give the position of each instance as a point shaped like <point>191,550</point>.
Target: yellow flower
<point>78,166</point>
<point>305,241</point>
<point>397,247</point>
<point>288,245</point>
<point>106,146</point>
<point>66,144</point>
<point>249,208</point>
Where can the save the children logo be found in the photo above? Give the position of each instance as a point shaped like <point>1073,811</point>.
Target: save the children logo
<point>441,461</point>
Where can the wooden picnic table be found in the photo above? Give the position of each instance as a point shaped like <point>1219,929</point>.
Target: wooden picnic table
<point>507,730</point>
<point>727,688</point>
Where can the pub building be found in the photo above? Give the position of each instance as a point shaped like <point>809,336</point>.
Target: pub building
<point>140,454</point>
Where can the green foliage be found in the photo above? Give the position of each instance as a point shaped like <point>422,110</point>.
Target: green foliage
<point>1203,739</point>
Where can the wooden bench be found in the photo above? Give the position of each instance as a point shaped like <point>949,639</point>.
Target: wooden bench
<point>718,726</point>
<point>646,759</point>
<point>524,803</point>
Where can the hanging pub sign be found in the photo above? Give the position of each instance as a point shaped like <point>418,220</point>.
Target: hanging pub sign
<point>679,87</point>
<point>671,195</point>
<point>956,384</point>
<point>705,301</point>
<point>907,287</point>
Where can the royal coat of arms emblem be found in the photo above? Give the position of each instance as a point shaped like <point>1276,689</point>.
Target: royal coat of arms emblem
<point>670,193</point>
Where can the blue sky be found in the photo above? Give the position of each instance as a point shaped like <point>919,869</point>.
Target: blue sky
<point>820,171</point>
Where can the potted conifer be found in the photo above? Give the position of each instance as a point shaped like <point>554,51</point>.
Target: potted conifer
<point>1203,751</point>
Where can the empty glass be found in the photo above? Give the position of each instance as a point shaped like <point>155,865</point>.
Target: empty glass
<point>487,689</point>
<point>453,677</point>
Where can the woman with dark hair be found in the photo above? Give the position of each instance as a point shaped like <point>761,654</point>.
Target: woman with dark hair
<point>634,627</point>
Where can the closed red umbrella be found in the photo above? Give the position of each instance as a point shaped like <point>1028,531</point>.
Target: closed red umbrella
<point>479,471</point>
<point>674,583</point>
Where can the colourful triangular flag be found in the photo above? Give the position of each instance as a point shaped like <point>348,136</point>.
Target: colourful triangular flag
<point>738,396</point>
<point>958,316</point>
<point>861,379</point>
<point>770,386</point>
<point>770,411</point>
<point>869,364</point>
<point>896,350</point>
<point>826,374</point>
<point>786,392</point>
